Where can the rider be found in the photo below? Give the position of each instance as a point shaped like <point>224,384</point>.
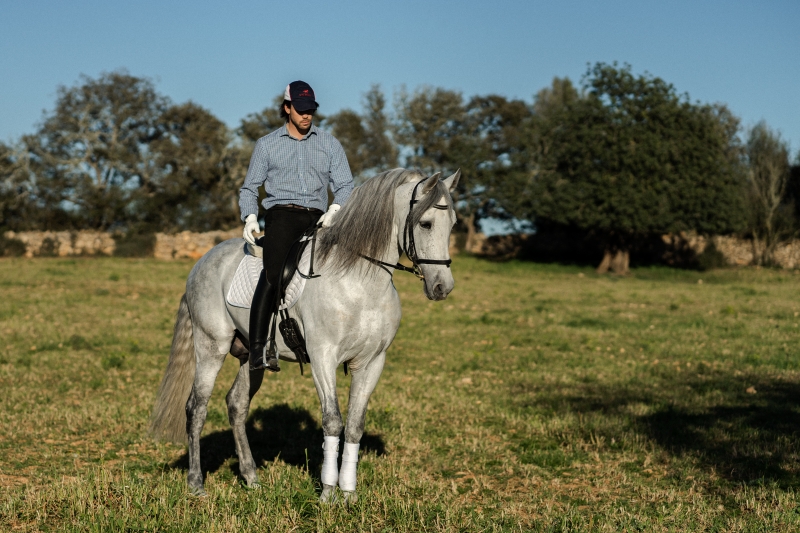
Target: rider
<point>295,163</point>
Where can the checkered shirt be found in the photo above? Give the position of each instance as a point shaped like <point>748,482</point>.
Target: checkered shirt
<point>296,171</point>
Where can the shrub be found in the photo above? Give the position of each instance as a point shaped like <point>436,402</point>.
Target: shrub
<point>49,248</point>
<point>11,247</point>
<point>711,258</point>
<point>135,244</point>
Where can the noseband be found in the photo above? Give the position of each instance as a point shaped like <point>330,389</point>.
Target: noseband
<point>409,246</point>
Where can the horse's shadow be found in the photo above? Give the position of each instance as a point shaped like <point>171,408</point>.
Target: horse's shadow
<point>746,437</point>
<point>280,431</point>
<point>751,439</point>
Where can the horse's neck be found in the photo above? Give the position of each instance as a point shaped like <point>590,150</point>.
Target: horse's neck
<point>394,251</point>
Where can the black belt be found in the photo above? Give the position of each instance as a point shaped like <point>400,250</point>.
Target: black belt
<point>300,207</point>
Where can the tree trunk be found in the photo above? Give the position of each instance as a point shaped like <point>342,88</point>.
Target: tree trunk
<point>470,233</point>
<point>758,251</point>
<point>617,260</point>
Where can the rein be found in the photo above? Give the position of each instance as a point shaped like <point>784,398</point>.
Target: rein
<point>409,246</point>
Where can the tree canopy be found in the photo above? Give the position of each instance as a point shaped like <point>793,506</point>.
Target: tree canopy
<point>631,157</point>
<point>620,158</point>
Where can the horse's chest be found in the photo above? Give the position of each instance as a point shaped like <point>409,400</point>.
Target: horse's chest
<point>375,324</point>
<point>357,327</point>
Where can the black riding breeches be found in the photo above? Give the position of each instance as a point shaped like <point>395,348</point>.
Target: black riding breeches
<point>283,226</point>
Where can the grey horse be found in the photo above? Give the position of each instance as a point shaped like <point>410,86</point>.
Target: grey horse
<point>350,313</point>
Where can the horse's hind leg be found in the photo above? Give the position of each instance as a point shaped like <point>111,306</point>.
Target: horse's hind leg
<point>244,388</point>
<point>208,366</point>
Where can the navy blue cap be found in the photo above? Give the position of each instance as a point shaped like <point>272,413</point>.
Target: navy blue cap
<point>301,95</point>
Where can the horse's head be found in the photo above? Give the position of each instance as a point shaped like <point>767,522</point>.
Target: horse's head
<point>425,232</point>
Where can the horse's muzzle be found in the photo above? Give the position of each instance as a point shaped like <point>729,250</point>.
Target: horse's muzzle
<point>439,288</point>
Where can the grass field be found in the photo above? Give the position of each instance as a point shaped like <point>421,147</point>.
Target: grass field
<point>535,398</point>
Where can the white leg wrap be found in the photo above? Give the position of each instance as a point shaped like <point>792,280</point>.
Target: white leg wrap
<point>330,472</point>
<point>347,475</point>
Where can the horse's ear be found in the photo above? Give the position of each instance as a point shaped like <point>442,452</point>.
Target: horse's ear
<point>452,181</point>
<point>431,183</point>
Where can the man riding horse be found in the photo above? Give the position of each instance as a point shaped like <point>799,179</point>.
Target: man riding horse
<point>295,163</point>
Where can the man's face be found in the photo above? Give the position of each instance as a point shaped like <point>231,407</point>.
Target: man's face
<point>300,119</point>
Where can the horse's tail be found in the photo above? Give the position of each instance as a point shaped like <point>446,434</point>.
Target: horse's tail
<point>168,421</point>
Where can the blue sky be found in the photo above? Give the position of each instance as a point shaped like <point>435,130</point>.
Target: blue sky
<point>233,58</point>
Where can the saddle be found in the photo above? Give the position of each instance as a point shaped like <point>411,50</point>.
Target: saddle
<point>288,326</point>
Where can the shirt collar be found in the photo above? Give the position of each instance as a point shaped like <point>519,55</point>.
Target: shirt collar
<point>285,132</point>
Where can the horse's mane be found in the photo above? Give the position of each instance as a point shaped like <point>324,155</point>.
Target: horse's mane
<point>363,226</point>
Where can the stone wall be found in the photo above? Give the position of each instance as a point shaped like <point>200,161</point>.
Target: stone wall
<point>736,251</point>
<point>184,245</point>
<point>63,243</point>
<point>189,245</point>
<point>497,246</point>
<point>677,249</point>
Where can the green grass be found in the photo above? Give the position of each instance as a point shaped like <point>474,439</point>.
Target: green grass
<point>535,398</point>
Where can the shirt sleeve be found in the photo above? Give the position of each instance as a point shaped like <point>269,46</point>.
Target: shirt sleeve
<point>340,175</point>
<point>256,175</point>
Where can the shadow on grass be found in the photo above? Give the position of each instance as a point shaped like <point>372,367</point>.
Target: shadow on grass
<point>280,431</point>
<point>743,437</point>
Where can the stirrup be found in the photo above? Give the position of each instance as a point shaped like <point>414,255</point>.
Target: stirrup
<point>266,361</point>
<point>273,365</point>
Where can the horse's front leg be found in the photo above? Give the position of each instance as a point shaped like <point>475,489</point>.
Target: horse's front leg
<point>325,382</point>
<point>363,383</point>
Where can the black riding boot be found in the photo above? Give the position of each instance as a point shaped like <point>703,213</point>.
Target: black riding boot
<point>260,311</point>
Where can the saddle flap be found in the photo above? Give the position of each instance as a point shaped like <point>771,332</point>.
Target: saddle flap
<point>291,262</point>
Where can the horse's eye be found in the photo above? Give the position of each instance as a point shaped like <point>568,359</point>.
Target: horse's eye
<point>425,225</point>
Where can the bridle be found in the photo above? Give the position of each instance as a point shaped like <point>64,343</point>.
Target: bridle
<point>409,246</point>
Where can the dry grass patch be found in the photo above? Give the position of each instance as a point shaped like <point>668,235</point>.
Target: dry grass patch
<point>535,398</point>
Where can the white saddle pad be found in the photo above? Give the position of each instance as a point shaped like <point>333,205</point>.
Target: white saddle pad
<point>246,277</point>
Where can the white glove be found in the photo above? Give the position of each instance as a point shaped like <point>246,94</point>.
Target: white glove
<point>251,226</point>
<point>327,219</point>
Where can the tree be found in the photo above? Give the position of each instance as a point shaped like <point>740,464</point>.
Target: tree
<point>256,125</point>
<point>768,178</point>
<point>528,144</point>
<point>17,189</point>
<point>633,158</point>
<point>195,182</point>
<point>483,137</point>
<point>428,124</point>
<point>553,99</point>
<point>430,128</point>
<point>92,149</point>
<point>493,152</point>
<point>365,138</point>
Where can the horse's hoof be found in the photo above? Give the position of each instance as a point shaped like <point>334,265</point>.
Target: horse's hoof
<point>349,496</point>
<point>328,494</point>
<point>252,485</point>
<point>198,492</point>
